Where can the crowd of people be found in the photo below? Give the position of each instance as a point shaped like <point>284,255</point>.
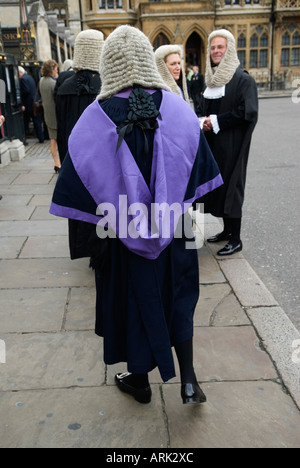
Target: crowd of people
<point>128,122</point>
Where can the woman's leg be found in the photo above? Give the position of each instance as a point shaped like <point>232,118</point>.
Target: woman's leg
<point>190,390</point>
<point>185,355</point>
<point>54,152</point>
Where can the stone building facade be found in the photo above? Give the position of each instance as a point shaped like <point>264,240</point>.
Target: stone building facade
<point>52,36</point>
<point>267,31</point>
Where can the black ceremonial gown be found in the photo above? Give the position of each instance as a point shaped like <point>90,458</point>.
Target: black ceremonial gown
<point>144,306</point>
<point>73,96</point>
<point>237,116</point>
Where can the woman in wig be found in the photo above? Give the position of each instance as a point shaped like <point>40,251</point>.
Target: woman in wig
<point>169,63</point>
<point>135,153</point>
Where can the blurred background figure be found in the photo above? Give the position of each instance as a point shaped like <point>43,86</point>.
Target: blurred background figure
<point>47,85</point>
<point>29,93</point>
<point>67,72</point>
<point>196,88</point>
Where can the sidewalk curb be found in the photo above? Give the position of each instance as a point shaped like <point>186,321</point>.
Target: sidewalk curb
<point>278,335</point>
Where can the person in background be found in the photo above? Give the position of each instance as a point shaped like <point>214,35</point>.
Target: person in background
<point>189,74</point>
<point>47,85</point>
<point>229,111</point>
<point>196,88</point>
<point>73,97</point>
<point>28,93</point>
<point>67,72</point>
<point>169,64</point>
<point>78,91</point>
<point>136,147</point>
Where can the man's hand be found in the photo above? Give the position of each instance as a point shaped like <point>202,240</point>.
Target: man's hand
<point>207,126</point>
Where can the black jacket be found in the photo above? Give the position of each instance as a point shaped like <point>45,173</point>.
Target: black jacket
<point>28,90</point>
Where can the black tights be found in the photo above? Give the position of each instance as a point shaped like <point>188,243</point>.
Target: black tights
<point>233,226</point>
<point>184,352</point>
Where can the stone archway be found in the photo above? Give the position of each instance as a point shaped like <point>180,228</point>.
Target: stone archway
<point>193,50</point>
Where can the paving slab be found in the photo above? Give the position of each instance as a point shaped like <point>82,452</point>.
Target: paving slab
<point>81,418</point>
<point>209,269</point>
<point>15,200</point>
<point>16,213</point>
<point>237,415</point>
<point>52,360</point>
<point>230,353</point>
<point>81,309</point>
<point>33,228</point>
<point>27,189</point>
<point>7,177</point>
<point>32,310</point>
<point>33,178</point>
<point>11,247</point>
<point>46,247</point>
<point>42,213</point>
<point>41,200</point>
<point>40,273</point>
<point>217,306</point>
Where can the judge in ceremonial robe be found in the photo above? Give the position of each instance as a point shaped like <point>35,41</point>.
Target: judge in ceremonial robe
<point>137,161</point>
<point>229,113</point>
<point>78,91</point>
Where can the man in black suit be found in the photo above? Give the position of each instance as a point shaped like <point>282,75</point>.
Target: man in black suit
<point>197,87</point>
<point>28,93</point>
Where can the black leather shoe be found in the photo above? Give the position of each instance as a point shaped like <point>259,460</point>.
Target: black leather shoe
<point>142,395</point>
<point>223,236</point>
<point>192,393</point>
<point>230,249</point>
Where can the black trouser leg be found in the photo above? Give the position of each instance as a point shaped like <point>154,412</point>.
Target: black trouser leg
<point>233,226</point>
<point>184,352</point>
<point>236,224</point>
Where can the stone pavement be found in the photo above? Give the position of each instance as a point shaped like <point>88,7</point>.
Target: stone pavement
<point>55,391</point>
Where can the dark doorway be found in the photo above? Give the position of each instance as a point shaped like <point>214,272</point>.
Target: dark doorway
<point>193,50</point>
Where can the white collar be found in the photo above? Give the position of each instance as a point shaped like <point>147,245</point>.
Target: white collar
<point>214,93</point>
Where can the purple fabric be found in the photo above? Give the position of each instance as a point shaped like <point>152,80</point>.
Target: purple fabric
<point>108,174</point>
<point>71,213</point>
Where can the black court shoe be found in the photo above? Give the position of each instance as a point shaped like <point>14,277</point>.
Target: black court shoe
<point>192,393</point>
<point>142,395</point>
